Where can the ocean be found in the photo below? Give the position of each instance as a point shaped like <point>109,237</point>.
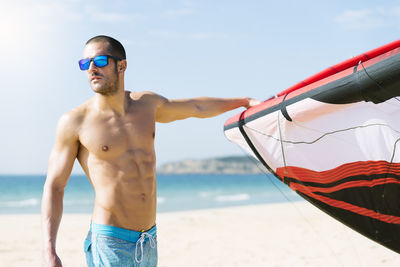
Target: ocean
<point>22,193</point>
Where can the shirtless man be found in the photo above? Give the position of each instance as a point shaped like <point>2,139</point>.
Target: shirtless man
<point>112,136</point>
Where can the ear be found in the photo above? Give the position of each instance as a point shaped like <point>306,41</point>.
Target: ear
<point>122,65</point>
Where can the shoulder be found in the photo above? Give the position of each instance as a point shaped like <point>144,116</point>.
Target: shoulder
<point>148,97</point>
<point>69,123</point>
<point>73,117</point>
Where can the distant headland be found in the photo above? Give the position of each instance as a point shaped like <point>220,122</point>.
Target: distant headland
<point>221,165</point>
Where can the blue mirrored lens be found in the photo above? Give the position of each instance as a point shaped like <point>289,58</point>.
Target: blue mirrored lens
<point>84,64</point>
<point>100,61</point>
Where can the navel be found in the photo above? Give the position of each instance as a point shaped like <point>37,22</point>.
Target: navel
<point>105,148</point>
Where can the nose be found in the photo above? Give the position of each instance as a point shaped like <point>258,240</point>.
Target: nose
<point>92,66</point>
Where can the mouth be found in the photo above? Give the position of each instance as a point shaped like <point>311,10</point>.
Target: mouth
<point>95,78</point>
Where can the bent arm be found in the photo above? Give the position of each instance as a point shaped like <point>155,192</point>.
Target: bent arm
<point>61,161</point>
<point>203,107</point>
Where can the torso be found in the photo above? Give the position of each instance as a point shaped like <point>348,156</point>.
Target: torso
<point>117,155</point>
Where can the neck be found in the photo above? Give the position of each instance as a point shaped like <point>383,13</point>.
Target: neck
<point>115,102</point>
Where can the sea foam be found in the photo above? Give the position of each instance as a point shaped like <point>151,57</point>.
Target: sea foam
<point>31,202</point>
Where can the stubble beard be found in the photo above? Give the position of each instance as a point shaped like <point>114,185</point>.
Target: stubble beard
<point>109,88</point>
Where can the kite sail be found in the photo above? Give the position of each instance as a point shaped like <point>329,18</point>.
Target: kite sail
<point>334,139</point>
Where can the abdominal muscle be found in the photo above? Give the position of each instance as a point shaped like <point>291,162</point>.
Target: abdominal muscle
<point>125,190</point>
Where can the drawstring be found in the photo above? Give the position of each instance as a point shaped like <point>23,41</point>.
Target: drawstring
<point>140,243</point>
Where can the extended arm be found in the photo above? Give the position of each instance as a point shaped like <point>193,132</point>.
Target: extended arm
<point>203,107</point>
<point>61,161</point>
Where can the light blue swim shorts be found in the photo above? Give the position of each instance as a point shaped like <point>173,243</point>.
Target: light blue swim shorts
<point>110,246</point>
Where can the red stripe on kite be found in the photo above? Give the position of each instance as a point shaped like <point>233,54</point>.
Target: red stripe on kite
<point>358,168</point>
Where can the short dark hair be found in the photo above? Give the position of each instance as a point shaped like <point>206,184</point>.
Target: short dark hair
<point>115,48</point>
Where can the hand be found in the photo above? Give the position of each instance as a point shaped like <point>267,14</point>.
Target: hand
<point>52,261</point>
<point>252,102</point>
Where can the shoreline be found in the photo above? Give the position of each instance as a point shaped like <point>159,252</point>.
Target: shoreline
<point>278,234</point>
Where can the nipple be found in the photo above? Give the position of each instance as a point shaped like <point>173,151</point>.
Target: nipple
<point>105,148</point>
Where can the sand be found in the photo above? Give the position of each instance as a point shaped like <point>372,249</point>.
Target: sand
<point>289,234</point>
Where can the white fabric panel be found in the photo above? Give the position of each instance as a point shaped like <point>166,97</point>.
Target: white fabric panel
<point>323,136</point>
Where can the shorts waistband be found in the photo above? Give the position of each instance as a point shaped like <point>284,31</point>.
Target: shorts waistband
<point>121,233</point>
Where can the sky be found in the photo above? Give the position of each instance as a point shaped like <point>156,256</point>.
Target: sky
<point>176,48</point>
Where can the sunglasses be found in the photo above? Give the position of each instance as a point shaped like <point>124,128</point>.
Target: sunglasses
<point>99,61</point>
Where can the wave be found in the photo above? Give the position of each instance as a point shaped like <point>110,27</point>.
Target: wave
<point>30,202</point>
<point>233,198</point>
<point>207,194</point>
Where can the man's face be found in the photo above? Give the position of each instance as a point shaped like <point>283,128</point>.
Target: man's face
<point>103,80</point>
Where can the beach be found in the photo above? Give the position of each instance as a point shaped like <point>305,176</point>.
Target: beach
<point>284,234</point>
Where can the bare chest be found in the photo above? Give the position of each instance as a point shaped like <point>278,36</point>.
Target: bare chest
<point>110,136</point>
